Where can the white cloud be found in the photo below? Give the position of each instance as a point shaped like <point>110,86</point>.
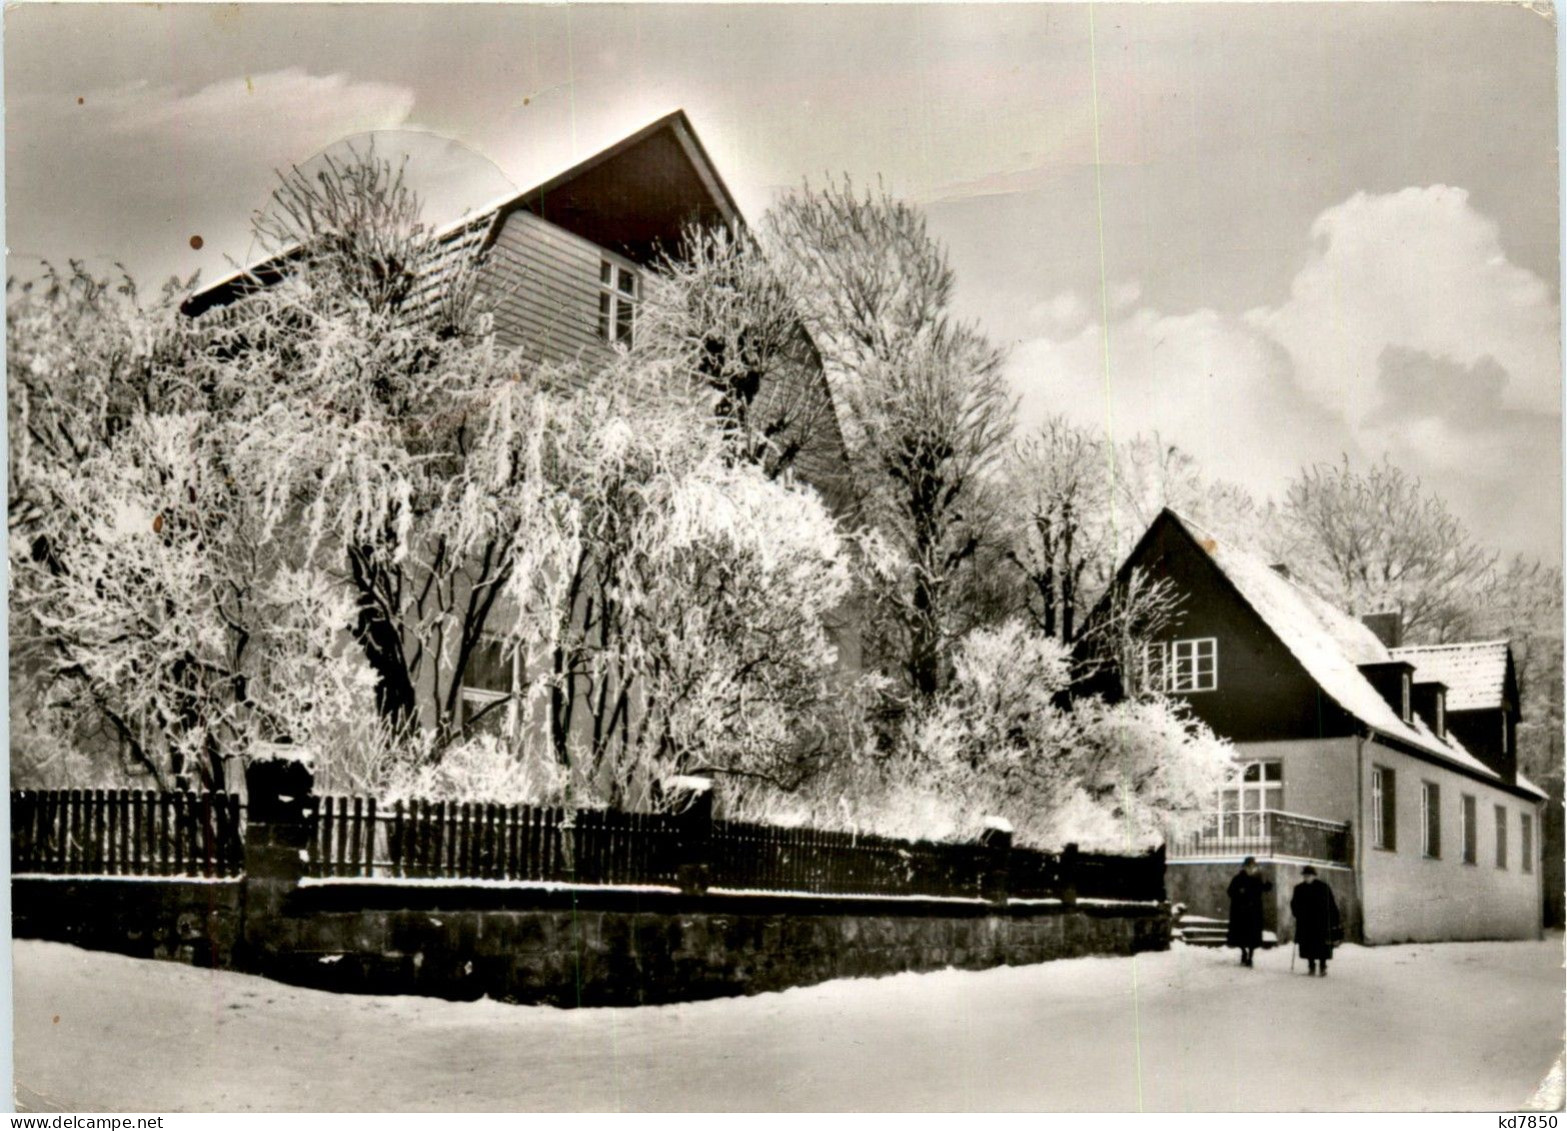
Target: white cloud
<point>288,111</point>
<point>1407,331</point>
<point>1203,380</point>
<point>1419,269</point>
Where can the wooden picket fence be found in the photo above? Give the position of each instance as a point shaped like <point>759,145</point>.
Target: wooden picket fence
<point>752,857</point>
<point>458,840</point>
<point>126,832</point>
<point>142,833</point>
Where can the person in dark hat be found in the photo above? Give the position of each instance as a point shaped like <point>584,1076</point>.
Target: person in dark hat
<point>1246,891</point>
<point>1316,920</point>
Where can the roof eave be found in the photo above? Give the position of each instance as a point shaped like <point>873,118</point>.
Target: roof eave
<point>1418,750</point>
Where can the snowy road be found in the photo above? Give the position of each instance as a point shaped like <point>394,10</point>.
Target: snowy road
<point>1457,1027</point>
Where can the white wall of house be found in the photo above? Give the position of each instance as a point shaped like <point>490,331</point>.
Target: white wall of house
<point>1319,774</point>
<point>1409,896</point>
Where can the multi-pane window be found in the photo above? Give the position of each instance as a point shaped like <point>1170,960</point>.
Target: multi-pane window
<point>488,683</point>
<point>617,302</point>
<point>1526,841</point>
<point>1501,836</point>
<point>1384,809</point>
<point>1258,788</point>
<point>1194,665</point>
<point>1431,820</point>
<point>1466,827</point>
<point>1182,665</point>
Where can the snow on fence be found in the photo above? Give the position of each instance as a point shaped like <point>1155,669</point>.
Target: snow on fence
<point>134,832</point>
<point>125,832</point>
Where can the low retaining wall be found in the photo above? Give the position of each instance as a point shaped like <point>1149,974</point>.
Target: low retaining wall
<point>587,947</point>
<point>182,920</point>
<point>565,946</point>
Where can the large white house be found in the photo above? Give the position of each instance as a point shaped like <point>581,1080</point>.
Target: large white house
<point>1393,770</point>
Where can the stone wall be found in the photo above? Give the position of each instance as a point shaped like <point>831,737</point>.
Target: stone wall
<point>182,920</point>
<point>607,948</point>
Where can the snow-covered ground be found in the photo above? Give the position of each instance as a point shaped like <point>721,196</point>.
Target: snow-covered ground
<point>1471,1026</point>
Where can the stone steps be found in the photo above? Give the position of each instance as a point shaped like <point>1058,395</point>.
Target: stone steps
<point>1199,930</point>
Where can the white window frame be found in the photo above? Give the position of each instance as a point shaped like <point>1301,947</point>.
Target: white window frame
<point>473,699</point>
<point>1163,664</point>
<point>1378,804</point>
<point>1242,803</point>
<point>1430,791</point>
<point>1202,656</point>
<point>1468,838</point>
<point>617,306</point>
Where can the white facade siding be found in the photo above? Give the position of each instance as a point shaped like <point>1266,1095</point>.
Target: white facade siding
<point>1409,897</point>
<point>543,284</point>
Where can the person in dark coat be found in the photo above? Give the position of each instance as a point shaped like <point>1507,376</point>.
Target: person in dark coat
<point>1316,920</point>
<point>1246,891</point>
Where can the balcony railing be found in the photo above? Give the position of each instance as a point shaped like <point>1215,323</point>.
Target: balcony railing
<point>1266,833</point>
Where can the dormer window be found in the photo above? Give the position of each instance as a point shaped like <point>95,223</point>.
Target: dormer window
<point>618,293</point>
<point>1394,682</point>
<point>1441,715</point>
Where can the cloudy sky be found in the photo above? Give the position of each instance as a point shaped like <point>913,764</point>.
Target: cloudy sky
<point>1309,229</point>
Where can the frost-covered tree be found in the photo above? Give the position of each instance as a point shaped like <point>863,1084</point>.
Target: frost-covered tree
<point>1058,522</point>
<point>155,620</point>
<point>1003,740</point>
<point>687,631</point>
<point>926,409</point>
<point>722,319</point>
<point>1523,605</point>
<point>301,516</point>
<point>1377,541</point>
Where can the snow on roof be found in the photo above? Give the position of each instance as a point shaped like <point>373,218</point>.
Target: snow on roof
<point>1475,673</point>
<point>1331,645</point>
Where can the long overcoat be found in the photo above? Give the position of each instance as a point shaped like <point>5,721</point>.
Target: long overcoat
<point>1246,910</point>
<point>1316,919</point>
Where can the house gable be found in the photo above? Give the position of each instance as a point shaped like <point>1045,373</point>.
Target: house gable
<point>636,197</point>
<point>1262,691</point>
<point>1331,650</point>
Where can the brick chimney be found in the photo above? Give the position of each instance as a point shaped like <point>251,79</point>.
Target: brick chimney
<point>1389,627</point>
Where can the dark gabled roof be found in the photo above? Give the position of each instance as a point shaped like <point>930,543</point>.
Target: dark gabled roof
<point>1331,646</point>
<point>580,199</point>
